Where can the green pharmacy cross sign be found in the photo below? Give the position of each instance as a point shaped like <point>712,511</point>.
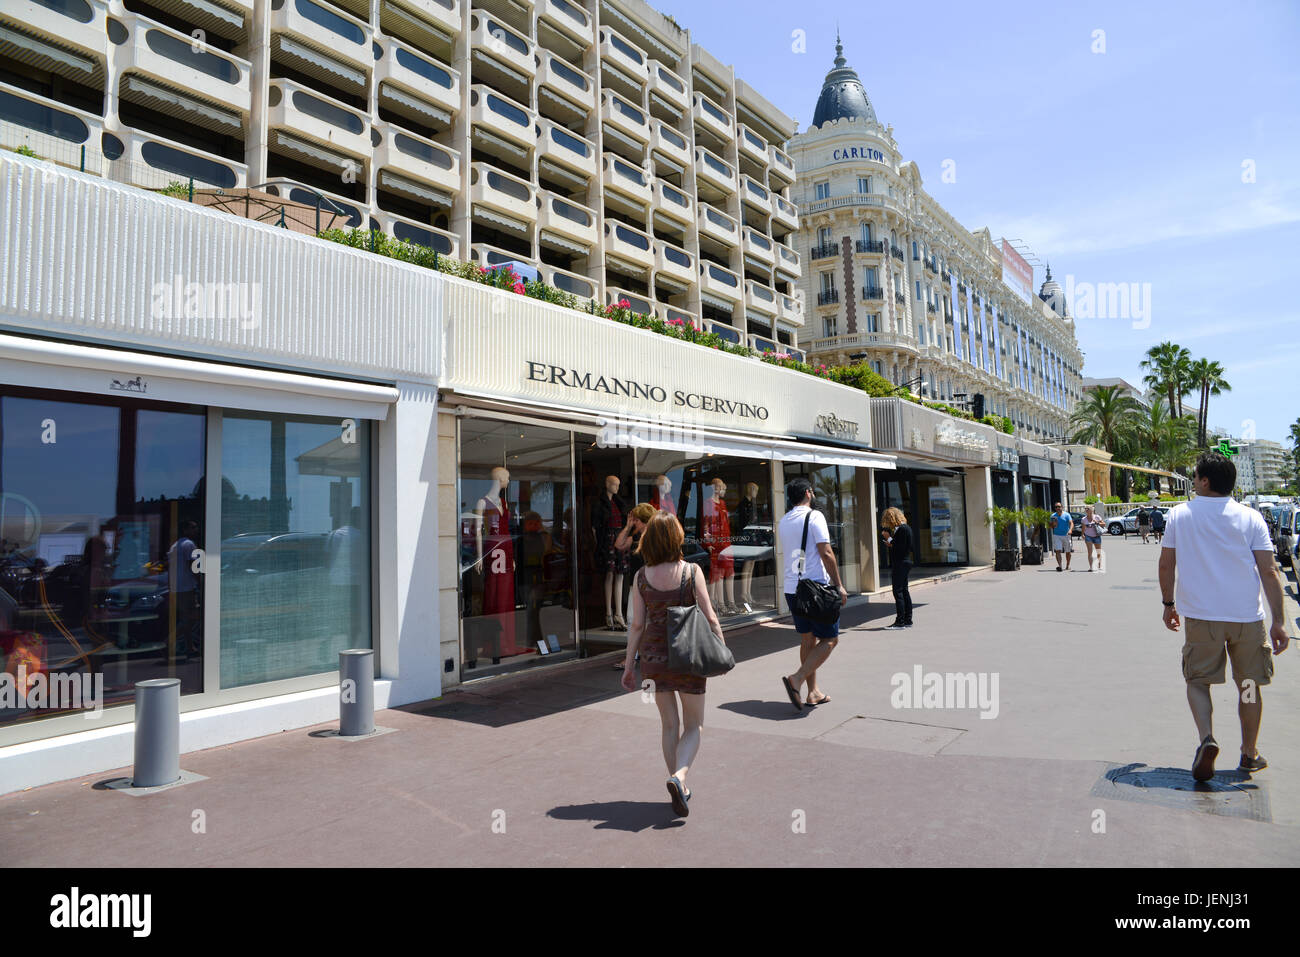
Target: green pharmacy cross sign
<point>1226,449</point>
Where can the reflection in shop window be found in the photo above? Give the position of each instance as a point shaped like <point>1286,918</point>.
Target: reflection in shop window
<point>295,545</point>
<point>835,496</point>
<point>725,507</point>
<point>101,511</point>
<point>517,539</point>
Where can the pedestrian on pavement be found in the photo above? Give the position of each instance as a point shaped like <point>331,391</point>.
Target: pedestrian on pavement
<point>816,640</point>
<point>1144,524</point>
<point>1220,554</point>
<point>667,580</point>
<point>1092,531</point>
<point>1062,527</point>
<point>898,539</point>
<point>1158,523</point>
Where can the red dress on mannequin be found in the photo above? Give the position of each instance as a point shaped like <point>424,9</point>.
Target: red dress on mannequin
<point>717,536</point>
<point>662,502</point>
<point>499,572</point>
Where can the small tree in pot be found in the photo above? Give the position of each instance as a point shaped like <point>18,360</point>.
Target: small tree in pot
<point>1036,520</point>
<point>1007,556</point>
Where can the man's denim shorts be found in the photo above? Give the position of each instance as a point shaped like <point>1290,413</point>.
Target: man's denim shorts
<point>803,625</point>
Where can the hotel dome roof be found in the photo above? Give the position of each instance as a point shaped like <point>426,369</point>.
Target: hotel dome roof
<point>843,95</point>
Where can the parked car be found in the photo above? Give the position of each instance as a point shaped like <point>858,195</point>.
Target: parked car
<point>1128,522</point>
<point>1078,524</point>
<point>1284,533</point>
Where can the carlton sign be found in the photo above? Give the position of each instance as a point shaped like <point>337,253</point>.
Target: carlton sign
<point>857,153</point>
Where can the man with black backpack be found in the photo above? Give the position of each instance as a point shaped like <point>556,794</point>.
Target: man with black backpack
<point>806,545</point>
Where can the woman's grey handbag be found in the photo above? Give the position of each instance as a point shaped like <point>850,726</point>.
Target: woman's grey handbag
<point>693,648</point>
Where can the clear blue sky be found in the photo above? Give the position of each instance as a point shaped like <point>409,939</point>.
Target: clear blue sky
<point>1122,166</point>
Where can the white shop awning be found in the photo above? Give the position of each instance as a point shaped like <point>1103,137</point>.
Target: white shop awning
<point>37,364</point>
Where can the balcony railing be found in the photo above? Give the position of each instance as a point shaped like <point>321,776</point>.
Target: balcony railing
<point>932,265</point>
<point>824,251</point>
<point>900,299</point>
<point>870,246</point>
<point>896,253</point>
<point>872,294</point>
<point>828,297</point>
<point>945,275</point>
<point>568,17</point>
<point>931,307</point>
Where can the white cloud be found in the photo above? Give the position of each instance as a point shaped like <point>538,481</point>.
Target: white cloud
<point>1148,216</point>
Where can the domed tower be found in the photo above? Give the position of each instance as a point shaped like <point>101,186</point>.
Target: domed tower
<point>1052,294</point>
<point>843,95</point>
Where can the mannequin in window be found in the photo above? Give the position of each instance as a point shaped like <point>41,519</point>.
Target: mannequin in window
<point>608,514</point>
<point>746,515</point>
<point>494,550</point>
<point>717,540</point>
<point>661,496</point>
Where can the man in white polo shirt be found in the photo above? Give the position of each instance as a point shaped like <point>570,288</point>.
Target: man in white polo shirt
<point>1221,554</point>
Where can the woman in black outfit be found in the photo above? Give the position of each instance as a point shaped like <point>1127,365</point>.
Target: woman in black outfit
<point>898,536</point>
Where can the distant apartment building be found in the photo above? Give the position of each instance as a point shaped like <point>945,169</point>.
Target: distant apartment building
<point>591,139</point>
<point>894,280</point>
<point>1127,388</point>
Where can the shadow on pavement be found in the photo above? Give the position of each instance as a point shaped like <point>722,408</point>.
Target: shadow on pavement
<point>523,697</point>
<point>632,816</point>
<point>768,710</point>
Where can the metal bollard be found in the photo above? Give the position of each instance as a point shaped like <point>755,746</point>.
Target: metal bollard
<point>356,692</point>
<point>157,732</point>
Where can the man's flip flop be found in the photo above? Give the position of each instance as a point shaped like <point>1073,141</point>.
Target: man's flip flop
<point>794,695</point>
<point>680,807</point>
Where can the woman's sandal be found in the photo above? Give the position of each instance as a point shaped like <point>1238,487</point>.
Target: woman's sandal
<point>824,699</point>
<point>679,797</point>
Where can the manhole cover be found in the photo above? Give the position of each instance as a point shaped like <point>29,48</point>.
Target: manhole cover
<point>1228,793</point>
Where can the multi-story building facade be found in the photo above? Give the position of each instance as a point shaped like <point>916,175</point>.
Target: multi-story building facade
<point>894,279</point>
<point>1267,460</point>
<point>589,138</point>
<point>1126,388</point>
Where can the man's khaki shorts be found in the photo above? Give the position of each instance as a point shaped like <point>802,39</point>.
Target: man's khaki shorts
<point>1209,643</point>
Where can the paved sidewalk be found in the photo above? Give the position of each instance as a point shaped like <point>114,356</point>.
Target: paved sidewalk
<point>568,766</point>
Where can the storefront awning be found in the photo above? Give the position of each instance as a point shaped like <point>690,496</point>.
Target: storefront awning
<point>660,435</point>
<point>36,363</point>
<point>919,466</point>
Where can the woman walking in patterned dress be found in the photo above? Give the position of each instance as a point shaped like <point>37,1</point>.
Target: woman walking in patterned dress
<point>667,580</point>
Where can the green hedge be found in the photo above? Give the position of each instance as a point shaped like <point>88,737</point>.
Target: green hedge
<point>860,376</point>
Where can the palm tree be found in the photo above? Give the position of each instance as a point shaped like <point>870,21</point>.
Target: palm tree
<point>1165,441</point>
<point>1167,368</point>
<point>1206,376</point>
<point>1108,420</point>
<point>1105,418</point>
<point>1295,442</point>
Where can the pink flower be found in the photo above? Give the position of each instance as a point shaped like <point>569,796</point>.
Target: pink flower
<point>624,304</point>
<point>519,288</point>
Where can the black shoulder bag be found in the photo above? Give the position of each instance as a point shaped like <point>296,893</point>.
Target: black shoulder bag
<point>693,648</point>
<point>814,600</point>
